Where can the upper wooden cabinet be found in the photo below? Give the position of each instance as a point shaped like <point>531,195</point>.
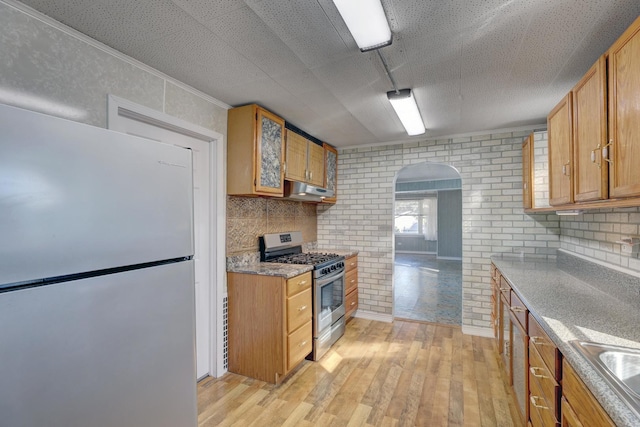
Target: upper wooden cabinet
<point>255,152</point>
<point>624,114</point>
<point>590,171</point>
<point>331,172</point>
<point>560,129</point>
<point>527,172</point>
<point>304,160</point>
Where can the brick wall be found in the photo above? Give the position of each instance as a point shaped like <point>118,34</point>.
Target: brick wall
<point>594,234</point>
<point>493,218</point>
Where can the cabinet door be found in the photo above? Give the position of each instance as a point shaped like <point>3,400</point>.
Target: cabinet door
<point>296,166</point>
<point>505,339</point>
<point>527,155</point>
<point>590,171</point>
<point>331,172</point>
<point>569,418</point>
<point>560,136</point>
<point>315,164</point>
<point>624,114</point>
<point>520,366</point>
<point>269,174</point>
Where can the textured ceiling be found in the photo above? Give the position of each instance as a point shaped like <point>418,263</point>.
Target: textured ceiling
<point>474,65</point>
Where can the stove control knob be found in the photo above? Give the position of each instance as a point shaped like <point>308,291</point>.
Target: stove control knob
<point>324,271</point>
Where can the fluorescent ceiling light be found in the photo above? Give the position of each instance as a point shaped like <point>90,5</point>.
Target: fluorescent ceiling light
<point>407,110</point>
<point>366,21</point>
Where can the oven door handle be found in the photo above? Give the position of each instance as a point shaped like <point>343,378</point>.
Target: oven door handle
<point>328,279</point>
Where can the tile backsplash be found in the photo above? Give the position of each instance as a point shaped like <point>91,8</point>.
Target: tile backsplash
<point>250,217</point>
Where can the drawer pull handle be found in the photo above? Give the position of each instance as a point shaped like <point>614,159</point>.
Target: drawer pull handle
<point>504,289</point>
<point>534,372</point>
<point>302,344</point>
<point>304,307</point>
<point>534,402</point>
<point>352,280</point>
<point>538,341</point>
<point>353,303</point>
<point>302,283</point>
<point>517,309</point>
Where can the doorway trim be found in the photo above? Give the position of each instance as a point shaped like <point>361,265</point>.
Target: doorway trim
<point>119,107</point>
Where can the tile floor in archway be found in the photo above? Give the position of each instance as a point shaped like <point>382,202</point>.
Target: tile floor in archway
<point>427,289</point>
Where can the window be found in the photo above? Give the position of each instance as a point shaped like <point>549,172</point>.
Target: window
<point>417,216</point>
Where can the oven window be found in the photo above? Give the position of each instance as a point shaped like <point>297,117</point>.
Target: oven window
<point>331,297</point>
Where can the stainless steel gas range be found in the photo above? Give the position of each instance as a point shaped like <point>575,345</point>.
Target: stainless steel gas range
<point>328,285</point>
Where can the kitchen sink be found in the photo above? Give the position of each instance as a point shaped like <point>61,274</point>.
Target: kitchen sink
<point>620,367</point>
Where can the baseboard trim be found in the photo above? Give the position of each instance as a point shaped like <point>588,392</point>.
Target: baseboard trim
<point>478,331</point>
<point>370,315</point>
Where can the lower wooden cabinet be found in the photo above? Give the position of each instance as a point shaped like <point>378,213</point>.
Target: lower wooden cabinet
<point>351,285</point>
<point>550,393</point>
<point>584,408</point>
<point>270,324</point>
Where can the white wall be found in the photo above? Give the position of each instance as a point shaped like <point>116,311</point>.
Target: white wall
<point>493,218</point>
<point>50,68</point>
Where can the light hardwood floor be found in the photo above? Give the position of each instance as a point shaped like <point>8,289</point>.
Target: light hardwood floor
<point>378,374</point>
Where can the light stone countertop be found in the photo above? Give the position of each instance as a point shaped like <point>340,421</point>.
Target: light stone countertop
<point>569,308</point>
<point>282,270</point>
<point>271,269</point>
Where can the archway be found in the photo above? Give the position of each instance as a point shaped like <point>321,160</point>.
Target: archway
<point>428,243</point>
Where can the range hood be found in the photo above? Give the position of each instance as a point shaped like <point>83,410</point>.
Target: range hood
<point>304,192</point>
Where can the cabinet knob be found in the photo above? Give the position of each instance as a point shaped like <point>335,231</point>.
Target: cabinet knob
<point>302,283</point>
<point>302,344</point>
<point>304,307</point>
<point>517,309</point>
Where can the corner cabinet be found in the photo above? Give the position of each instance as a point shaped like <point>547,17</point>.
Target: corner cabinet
<point>527,172</point>
<point>255,152</point>
<point>270,324</point>
<point>304,160</point>
<point>330,172</point>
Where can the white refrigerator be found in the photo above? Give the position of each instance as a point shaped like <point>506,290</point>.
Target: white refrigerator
<point>97,310</point>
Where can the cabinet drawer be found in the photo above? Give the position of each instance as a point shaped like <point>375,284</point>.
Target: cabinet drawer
<point>298,310</point>
<point>548,386</point>
<point>351,302</point>
<point>298,283</point>
<point>545,347</point>
<point>299,345</point>
<point>350,281</point>
<point>540,405</point>
<point>586,407</point>
<point>351,264</point>
<point>505,288</point>
<point>519,310</point>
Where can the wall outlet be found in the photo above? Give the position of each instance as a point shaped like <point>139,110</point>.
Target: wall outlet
<point>629,245</point>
